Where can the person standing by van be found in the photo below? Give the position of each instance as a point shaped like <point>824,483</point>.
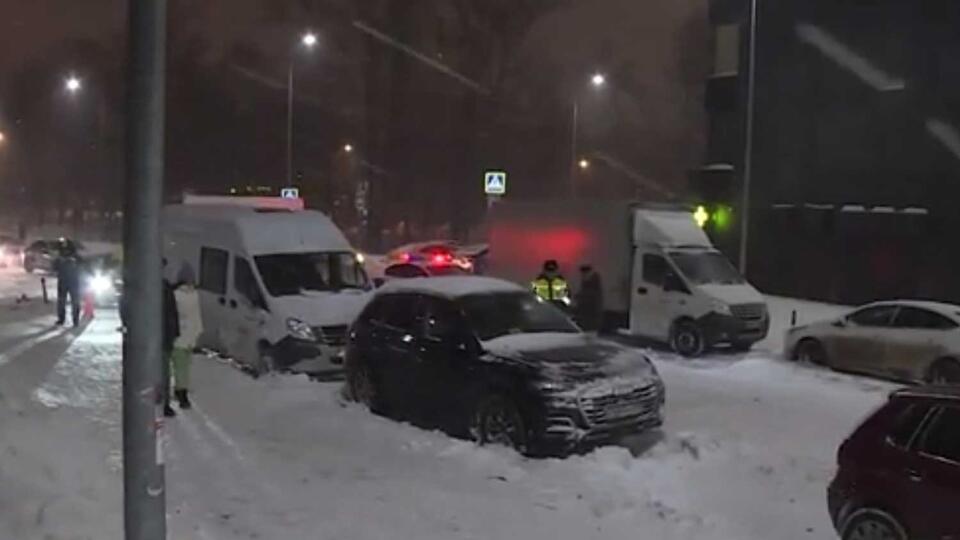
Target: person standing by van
<point>171,331</point>
<point>188,316</point>
<point>551,286</point>
<point>588,305</point>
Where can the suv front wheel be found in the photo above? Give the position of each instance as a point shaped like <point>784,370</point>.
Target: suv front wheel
<point>361,385</point>
<point>497,420</point>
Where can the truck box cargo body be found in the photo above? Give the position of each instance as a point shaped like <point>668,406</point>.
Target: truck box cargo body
<point>662,278</point>
<point>524,235</point>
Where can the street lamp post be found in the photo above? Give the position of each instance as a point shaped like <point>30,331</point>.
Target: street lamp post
<point>598,80</point>
<point>309,41</point>
<point>748,143</point>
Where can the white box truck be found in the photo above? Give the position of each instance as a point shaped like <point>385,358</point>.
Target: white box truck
<point>278,286</point>
<point>663,279</point>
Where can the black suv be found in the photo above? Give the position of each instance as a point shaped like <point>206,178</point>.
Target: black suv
<point>485,359</point>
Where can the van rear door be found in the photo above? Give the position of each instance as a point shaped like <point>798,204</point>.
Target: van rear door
<point>212,293</point>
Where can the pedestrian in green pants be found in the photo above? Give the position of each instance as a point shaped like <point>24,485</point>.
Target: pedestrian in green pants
<point>181,359</point>
<point>190,326</point>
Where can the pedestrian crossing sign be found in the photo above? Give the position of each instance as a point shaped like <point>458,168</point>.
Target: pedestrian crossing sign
<point>495,183</point>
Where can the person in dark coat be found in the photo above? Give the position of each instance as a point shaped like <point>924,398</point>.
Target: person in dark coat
<point>68,271</point>
<point>171,331</point>
<point>588,305</point>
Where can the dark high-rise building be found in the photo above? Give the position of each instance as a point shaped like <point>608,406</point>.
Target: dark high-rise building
<point>856,166</point>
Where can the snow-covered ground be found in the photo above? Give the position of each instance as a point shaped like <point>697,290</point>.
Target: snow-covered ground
<point>747,451</point>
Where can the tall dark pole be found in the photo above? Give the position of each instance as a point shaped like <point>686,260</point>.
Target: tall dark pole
<point>748,143</point>
<point>144,490</point>
<point>290,125</point>
<point>574,127</point>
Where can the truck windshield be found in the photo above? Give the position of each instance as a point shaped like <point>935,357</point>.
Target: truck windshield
<point>706,268</point>
<point>290,274</point>
<point>498,314</point>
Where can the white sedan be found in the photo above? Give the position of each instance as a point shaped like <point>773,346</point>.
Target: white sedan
<point>906,340</point>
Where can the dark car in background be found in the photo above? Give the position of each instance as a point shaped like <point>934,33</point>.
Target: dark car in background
<point>486,359</point>
<point>899,472</point>
<point>40,255</point>
<point>11,252</point>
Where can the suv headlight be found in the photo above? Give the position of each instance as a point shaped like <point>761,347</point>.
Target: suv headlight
<point>557,395</point>
<point>300,330</point>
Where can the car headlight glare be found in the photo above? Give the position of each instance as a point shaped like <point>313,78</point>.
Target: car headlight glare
<point>100,284</point>
<point>300,329</point>
<point>720,307</point>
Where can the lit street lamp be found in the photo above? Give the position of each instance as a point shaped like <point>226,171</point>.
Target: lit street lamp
<point>73,84</point>
<point>2,137</point>
<point>308,41</point>
<point>598,80</point>
<point>584,164</point>
<point>348,148</point>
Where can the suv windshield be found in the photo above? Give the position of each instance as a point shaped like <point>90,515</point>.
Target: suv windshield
<point>499,314</point>
<point>290,274</point>
<point>706,267</point>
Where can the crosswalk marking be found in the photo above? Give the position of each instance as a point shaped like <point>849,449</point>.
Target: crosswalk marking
<point>28,344</point>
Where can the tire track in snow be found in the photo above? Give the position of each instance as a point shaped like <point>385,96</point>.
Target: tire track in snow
<point>20,348</point>
<point>214,468</point>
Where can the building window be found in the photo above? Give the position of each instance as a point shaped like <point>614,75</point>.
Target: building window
<point>726,61</point>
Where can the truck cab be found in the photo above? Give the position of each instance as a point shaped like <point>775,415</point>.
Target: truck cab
<point>685,292</point>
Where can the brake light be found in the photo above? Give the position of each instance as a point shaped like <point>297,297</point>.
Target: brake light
<point>442,258</point>
<point>405,257</point>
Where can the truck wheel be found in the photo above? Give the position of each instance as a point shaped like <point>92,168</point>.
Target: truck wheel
<point>687,340</point>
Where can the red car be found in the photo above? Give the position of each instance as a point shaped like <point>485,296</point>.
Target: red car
<point>899,472</point>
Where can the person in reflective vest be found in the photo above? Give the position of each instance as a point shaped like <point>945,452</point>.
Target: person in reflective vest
<point>551,286</point>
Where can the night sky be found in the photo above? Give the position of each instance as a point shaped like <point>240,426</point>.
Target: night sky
<point>227,87</point>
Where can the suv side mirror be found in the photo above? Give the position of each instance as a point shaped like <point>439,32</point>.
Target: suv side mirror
<point>378,282</point>
<point>840,323</point>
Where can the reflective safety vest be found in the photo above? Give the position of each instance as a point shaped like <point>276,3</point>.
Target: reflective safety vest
<point>551,290</point>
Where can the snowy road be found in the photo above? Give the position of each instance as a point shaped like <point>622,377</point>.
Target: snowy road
<point>746,453</point>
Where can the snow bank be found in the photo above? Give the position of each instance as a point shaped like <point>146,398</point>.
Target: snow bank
<point>746,453</point>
